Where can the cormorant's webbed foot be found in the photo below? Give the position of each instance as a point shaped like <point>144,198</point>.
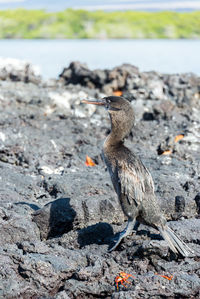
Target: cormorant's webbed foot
<point>119,236</point>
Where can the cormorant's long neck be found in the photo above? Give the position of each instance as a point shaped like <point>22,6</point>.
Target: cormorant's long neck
<point>120,128</point>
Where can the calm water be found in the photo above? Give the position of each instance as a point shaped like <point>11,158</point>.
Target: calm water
<point>168,56</point>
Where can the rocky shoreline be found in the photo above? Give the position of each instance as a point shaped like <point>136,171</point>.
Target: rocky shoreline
<point>57,215</point>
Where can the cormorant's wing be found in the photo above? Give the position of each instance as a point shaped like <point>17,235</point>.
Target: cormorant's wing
<point>135,181</point>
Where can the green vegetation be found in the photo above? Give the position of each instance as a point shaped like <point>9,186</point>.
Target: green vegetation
<point>70,23</point>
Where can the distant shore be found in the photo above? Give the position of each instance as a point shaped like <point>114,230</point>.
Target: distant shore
<point>73,24</point>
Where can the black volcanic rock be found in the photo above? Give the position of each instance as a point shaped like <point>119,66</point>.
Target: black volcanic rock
<point>17,70</point>
<point>57,216</point>
<point>182,89</point>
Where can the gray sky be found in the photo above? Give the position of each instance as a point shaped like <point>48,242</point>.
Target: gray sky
<point>53,5</point>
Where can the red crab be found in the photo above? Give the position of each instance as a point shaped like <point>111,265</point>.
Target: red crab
<point>122,278</point>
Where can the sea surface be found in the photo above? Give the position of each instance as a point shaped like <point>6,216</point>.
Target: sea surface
<point>165,56</point>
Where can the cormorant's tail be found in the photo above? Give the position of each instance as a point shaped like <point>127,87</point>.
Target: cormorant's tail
<point>174,242</point>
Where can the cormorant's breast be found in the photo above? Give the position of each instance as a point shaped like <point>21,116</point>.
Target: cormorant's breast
<point>128,174</point>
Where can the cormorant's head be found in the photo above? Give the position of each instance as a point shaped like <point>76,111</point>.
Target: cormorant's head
<point>113,104</point>
<point>121,114</point>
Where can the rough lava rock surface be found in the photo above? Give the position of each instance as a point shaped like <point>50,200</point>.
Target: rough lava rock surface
<point>57,215</point>
<point>18,70</point>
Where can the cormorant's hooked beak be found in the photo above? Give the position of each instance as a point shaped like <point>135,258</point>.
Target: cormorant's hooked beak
<point>94,102</point>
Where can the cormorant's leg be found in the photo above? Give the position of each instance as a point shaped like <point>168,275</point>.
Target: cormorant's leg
<point>136,226</point>
<point>119,236</point>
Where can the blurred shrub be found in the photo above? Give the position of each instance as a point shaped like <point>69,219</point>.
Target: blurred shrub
<point>70,23</point>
